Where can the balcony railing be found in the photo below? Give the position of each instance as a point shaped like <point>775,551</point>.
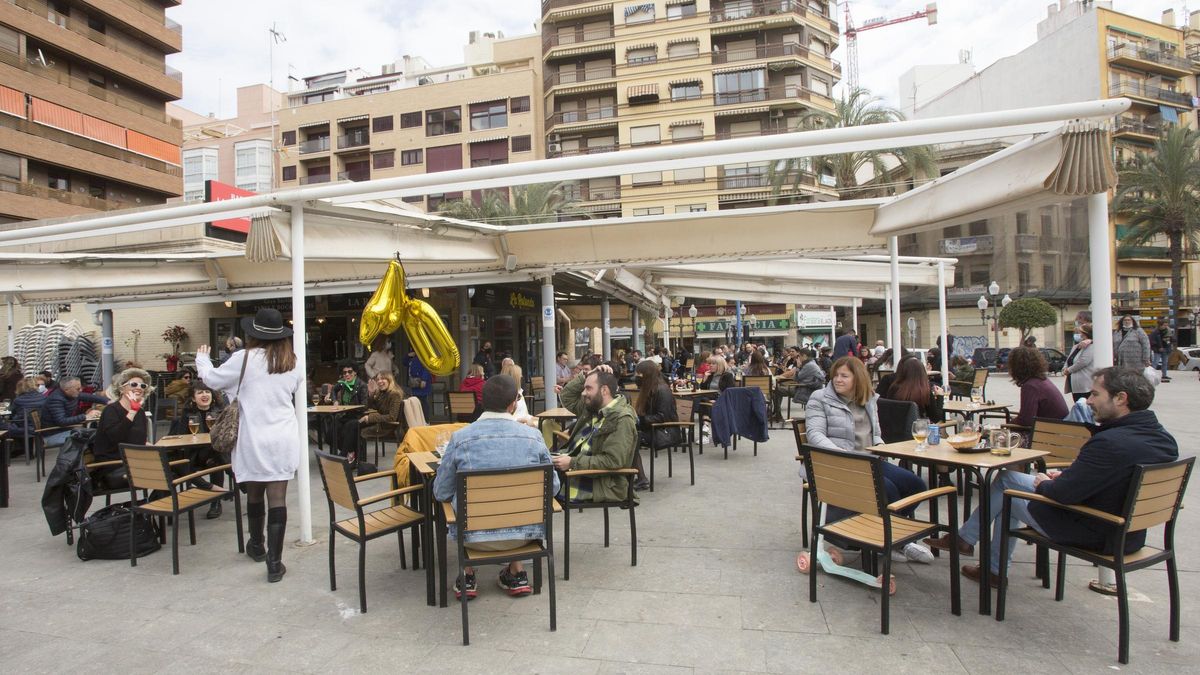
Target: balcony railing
<point>319,144</point>
<point>65,196</point>
<point>1027,243</point>
<point>759,52</point>
<point>354,139</point>
<point>594,150</point>
<point>143,55</point>
<point>744,9</point>
<point>1128,124</point>
<point>578,37</point>
<point>966,245</point>
<point>314,178</point>
<point>743,181</point>
<point>576,76</point>
<point>586,115</point>
<point>1143,90</point>
<point>356,175</point>
<point>768,93</point>
<point>586,193</point>
<point>1166,58</point>
<point>67,138</point>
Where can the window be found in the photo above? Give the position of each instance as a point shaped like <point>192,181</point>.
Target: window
<point>443,121</point>
<point>695,175</point>
<point>649,211</point>
<point>443,158</point>
<point>648,178</point>
<point>641,55</point>
<point>10,166</point>
<point>820,86</point>
<point>385,159</point>
<point>489,153</point>
<point>518,104</point>
<point>1022,223</point>
<point>97,79</point>
<point>981,276</point>
<point>521,144</point>
<point>288,173</point>
<point>818,46</point>
<point>410,120</point>
<point>288,137</point>
<point>740,87</point>
<point>413,199</point>
<point>978,228</point>
<point>683,50</point>
<point>952,232</point>
<point>685,91</point>
<point>1048,282</point>
<point>687,132</point>
<point>691,208</point>
<point>643,135</point>
<point>199,165</point>
<point>681,10</point>
<point>57,179</point>
<point>410,157</point>
<point>317,98</point>
<point>1023,276</point>
<point>254,167</point>
<point>381,124</point>
<point>10,40</point>
<point>1047,223</point>
<point>491,115</point>
<point>639,13</point>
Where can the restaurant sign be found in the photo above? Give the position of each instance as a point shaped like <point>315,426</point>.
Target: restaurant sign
<point>518,300</point>
<point>811,319</point>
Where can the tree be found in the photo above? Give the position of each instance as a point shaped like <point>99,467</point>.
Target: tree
<point>1158,195</point>
<point>855,108</point>
<point>537,203</point>
<point>1027,314</point>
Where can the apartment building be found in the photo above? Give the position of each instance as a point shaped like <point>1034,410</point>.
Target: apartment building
<point>83,94</point>
<point>627,74</point>
<point>414,118</point>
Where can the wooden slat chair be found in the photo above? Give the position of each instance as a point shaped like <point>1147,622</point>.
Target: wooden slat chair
<point>461,405</point>
<point>341,489</point>
<point>799,430</point>
<point>763,382</point>
<point>628,503</point>
<point>39,440</point>
<point>380,434</point>
<point>1061,439</point>
<point>487,499</point>
<point>150,469</point>
<point>687,434</point>
<point>962,389</point>
<point>537,386</point>
<point>1155,497</point>
<point>854,482</point>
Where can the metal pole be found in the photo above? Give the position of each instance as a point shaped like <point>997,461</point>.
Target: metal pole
<point>894,249</point>
<point>464,333</point>
<point>854,317</point>
<point>832,325</point>
<point>737,310</point>
<point>943,324</point>
<point>107,367</point>
<point>667,327</point>
<point>299,340</point>
<point>887,314</point>
<point>548,340</point>
<point>12,336</point>
<point>606,329</point>
<point>635,338</point>
<point>1100,264</point>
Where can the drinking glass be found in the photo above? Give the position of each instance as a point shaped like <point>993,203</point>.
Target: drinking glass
<point>976,396</point>
<point>316,399</point>
<point>194,425</point>
<point>970,429</point>
<point>1003,441</point>
<point>920,431</point>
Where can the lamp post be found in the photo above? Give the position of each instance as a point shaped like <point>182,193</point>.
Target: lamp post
<point>750,331</point>
<point>993,290</point>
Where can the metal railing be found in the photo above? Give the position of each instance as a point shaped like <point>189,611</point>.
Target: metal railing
<point>82,143</point>
<point>65,196</point>
<point>768,93</point>
<point>577,76</point>
<point>312,178</point>
<point>586,193</point>
<point>759,52</point>
<point>1143,90</point>
<point>742,9</point>
<point>1135,125</point>
<point>608,112</point>
<point>319,144</point>
<point>1166,58</point>
<point>143,55</point>
<point>1027,243</point>
<point>354,139</point>
<point>578,37</point>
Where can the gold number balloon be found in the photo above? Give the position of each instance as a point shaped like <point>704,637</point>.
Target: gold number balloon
<point>390,308</point>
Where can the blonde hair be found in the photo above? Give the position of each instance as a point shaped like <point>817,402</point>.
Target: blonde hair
<point>719,366</point>
<point>389,378</point>
<point>475,370</point>
<point>119,381</point>
<point>861,394</point>
<point>512,370</point>
<point>27,384</point>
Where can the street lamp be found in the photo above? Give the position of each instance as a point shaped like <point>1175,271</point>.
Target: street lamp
<point>993,290</point>
<point>753,322</point>
<point>692,313</point>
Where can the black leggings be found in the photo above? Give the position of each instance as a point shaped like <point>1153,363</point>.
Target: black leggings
<point>275,491</point>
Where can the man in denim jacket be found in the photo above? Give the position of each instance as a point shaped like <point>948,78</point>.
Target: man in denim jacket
<point>494,441</point>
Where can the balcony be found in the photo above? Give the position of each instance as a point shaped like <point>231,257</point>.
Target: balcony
<point>125,47</point>
<point>1143,253</point>
<point>604,113</point>
<point>737,11</point>
<point>580,36</point>
<point>314,178</point>
<point>82,199</point>
<point>966,245</point>
<point>319,144</point>
<point>556,150</point>
<point>1131,125</point>
<point>1143,58</point>
<point>1027,243</point>
<point>1144,91</point>
<point>569,77</point>
<point>774,92</point>
<point>67,138</point>
<point>356,175</point>
<point>766,51</point>
<point>582,192</point>
<point>356,138</point>
<point>761,179</point>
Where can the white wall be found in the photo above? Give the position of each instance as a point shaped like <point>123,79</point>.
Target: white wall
<point>921,84</point>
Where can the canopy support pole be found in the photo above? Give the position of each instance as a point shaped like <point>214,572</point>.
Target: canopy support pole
<point>894,249</point>
<point>1099,237</point>
<point>464,331</point>
<point>299,340</point>
<point>12,336</point>
<point>635,321</point>
<point>944,328</point>
<point>832,326</point>
<point>548,340</point>
<point>667,327</point>
<point>606,329</point>
<point>854,317</point>
<point>887,314</point>
<point>107,367</point>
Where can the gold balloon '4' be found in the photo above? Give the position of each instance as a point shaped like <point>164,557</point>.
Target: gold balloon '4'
<point>390,308</point>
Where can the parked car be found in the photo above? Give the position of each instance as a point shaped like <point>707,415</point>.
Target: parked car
<point>984,357</point>
<point>1002,358</point>
<point>1191,360</point>
<point>1055,360</point>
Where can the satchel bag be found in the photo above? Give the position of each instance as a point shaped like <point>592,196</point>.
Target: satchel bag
<point>223,432</point>
<point>105,535</point>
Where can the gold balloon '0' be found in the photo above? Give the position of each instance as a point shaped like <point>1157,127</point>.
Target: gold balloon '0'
<point>390,308</point>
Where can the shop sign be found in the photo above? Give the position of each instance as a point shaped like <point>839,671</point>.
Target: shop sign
<point>216,191</point>
<point>284,305</point>
<point>518,300</point>
<point>722,325</point>
<point>347,302</point>
<point>811,319</point>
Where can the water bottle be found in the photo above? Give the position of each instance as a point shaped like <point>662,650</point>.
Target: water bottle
<point>935,436</point>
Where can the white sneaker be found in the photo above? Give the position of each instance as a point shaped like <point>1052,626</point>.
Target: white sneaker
<point>918,553</point>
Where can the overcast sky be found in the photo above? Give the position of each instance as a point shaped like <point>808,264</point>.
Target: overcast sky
<point>227,44</point>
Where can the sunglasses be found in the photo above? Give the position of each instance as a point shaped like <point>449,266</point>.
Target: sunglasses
<point>138,385</point>
<point>348,372</point>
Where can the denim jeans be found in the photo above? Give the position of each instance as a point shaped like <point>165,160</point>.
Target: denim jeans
<point>56,439</point>
<point>1162,360</point>
<point>1005,480</point>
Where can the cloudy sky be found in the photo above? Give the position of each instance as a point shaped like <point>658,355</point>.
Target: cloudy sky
<point>227,43</point>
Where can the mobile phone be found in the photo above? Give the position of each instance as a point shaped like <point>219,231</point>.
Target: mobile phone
<point>437,453</point>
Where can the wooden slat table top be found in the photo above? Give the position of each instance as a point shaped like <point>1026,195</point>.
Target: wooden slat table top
<point>943,453</point>
<point>695,393</point>
<point>333,409</point>
<point>424,462</point>
<point>968,407</point>
<point>183,441</point>
<point>557,413</point>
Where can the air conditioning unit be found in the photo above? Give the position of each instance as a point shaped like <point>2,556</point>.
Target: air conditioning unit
<point>553,138</point>
<point>777,114</point>
<point>553,147</point>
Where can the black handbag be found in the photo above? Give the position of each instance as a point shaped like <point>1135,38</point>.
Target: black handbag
<point>105,534</point>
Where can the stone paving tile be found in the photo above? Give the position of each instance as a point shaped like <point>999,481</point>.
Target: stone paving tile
<point>698,647</point>
<point>686,609</point>
<point>789,653</point>
<point>618,668</point>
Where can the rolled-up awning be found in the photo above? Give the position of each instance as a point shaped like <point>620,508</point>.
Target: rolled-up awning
<point>742,111</point>
<point>645,45</point>
<point>687,80</point>
<point>352,118</point>
<point>679,41</point>
<point>686,123</point>
<point>313,124</point>
<point>642,91</point>
<point>485,139</point>
<point>585,49</point>
<point>580,11</point>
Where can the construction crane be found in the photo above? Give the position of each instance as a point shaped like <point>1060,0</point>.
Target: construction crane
<point>851,32</point>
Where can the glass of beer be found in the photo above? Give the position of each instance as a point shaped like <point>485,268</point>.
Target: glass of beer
<point>316,399</point>
<point>976,396</point>
<point>194,425</point>
<point>920,431</point>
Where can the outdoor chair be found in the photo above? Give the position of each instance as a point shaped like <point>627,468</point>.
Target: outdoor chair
<point>461,405</point>
<point>896,419</point>
<point>537,392</point>
<point>854,481</point>
<point>150,469</point>
<point>1061,439</point>
<point>39,440</point>
<point>341,489</point>
<point>629,503</point>
<point>414,415</point>
<point>762,382</point>
<point>1155,497</point>
<point>379,434</point>
<point>962,389</point>
<point>88,465</point>
<point>801,435</point>
<point>492,498</point>
<point>679,435</point>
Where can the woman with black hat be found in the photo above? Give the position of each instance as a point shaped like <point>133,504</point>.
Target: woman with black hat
<point>267,452</point>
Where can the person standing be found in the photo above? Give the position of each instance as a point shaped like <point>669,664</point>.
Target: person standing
<point>420,382</point>
<point>484,359</point>
<point>1131,346</point>
<point>267,452</point>
<point>1080,364</point>
<point>380,360</point>
<point>1161,345</point>
<point>846,345</point>
<point>10,375</point>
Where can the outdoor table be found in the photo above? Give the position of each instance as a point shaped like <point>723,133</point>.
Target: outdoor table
<point>983,465</point>
<point>696,393</point>
<point>333,412</point>
<point>422,466</point>
<point>419,440</point>
<point>557,414</point>
<point>968,410</point>
<point>183,441</point>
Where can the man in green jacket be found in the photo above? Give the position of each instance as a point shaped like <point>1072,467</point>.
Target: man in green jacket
<point>604,436</point>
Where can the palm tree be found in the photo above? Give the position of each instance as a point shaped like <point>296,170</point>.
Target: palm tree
<point>856,107</point>
<point>1158,194</point>
<point>536,203</point>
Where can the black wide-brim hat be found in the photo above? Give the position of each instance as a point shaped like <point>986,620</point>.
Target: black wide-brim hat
<point>267,324</point>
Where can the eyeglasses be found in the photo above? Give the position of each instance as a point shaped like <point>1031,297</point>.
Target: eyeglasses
<point>348,372</point>
<point>138,385</point>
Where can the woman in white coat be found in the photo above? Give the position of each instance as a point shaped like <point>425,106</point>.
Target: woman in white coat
<point>1080,364</point>
<point>267,452</point>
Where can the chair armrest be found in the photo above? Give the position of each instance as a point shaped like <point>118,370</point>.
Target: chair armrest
<point>684,425</point>
<point>390,493</point>
<point>901,504</point>
<point>448,515</point>
<point>372,476</point>
<point>1016,427</point>
<point>562,436</point>
<point>601,472</point>
<point>101,465</point>
<point>177,462</point>
<point>1084,510</point>
<point>196,474</point>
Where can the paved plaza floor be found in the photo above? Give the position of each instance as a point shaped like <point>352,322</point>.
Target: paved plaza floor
<point>715,590</point>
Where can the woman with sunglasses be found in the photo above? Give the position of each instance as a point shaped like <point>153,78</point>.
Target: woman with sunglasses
<point>121,422</point>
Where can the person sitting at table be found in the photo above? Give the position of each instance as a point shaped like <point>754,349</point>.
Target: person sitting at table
<point>28,399</point>
<point>60,407</point>
<point>886,368</point>
<point>604,436</point>
<point>809,377</point>
<point>1039,396</point>
<point>655,404</point>
<point>521,414</point>
<point>911,383</point>
<point>1129,434</point>
<point>180,388</point>
<point>10,375</point>
<point>844,416</point>
<point>473,383</point>
<point>349,390</point>
<point>121,422</point>
<point>717,366</point>
<point>202,407</point>
<point>494,441</point>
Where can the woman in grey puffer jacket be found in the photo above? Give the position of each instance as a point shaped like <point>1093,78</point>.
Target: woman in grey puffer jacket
<point>1131,345</point>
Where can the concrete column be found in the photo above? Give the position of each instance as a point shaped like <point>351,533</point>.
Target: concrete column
<point>667,327</point>
<point>548,341</point>
<point>737,340</point>
<point>107,367</point>
<point>854,317</point>
<point>894,248</point>
<point>887,314</point>
<point>942,323</point>
<point>464,333</point>
<point>606,329</point>
<point>1100,264</point>
<point>832,326</point>
<point>635,321</point>
<point>299,340</point>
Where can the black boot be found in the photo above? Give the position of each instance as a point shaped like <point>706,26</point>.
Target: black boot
<point>255,514</point>
<point>276,525</point>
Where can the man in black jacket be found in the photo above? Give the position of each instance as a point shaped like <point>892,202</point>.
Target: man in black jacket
<point>1129,434</point>
<point>61,405</point>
